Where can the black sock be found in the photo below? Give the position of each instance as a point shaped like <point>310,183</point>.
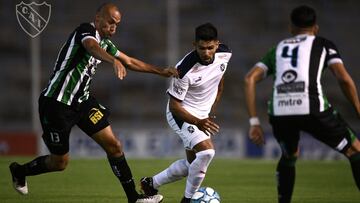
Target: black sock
<point>34,167</point>
<point>355,167</point>
<point>122,171</point>
<point>285,173</point>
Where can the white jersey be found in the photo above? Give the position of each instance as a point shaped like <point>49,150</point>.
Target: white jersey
<point>197,85</point>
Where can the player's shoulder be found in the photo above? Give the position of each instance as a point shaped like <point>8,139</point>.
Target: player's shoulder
<point>86,25</point>
<point>187,63</point>
<point>223,48</point>
<point>324,40</point>
<point>86,30</point>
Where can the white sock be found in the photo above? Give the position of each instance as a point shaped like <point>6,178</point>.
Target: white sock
<point>174,172</point>
<point>197,171</point>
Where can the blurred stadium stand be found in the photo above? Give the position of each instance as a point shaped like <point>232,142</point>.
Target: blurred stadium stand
<point>250,28</point>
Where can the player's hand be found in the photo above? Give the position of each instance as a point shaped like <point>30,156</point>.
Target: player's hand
<point>168,72</point>
<point>256,135</point>
<point>119,69</point>
<point>208,126</point>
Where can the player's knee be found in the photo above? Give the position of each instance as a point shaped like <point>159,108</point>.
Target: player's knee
<point>203,159</point>
<point>114,149</point>
<point>59,164</point>
<point>207,155</point>
<point>353,149</point>
<point>180,168</point>
<point>288,160</point>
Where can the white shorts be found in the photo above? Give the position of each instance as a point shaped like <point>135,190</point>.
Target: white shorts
<point>189,133</point>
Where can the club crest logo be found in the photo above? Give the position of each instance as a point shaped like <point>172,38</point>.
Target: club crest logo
<point>33,17</point>
<point>191,129</point>
<point>222,67</point>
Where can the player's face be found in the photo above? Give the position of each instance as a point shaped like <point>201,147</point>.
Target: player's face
<point>206,49</point>
<point>108,23</point>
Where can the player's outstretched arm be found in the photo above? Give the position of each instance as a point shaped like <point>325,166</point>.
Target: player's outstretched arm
<point>140,66</point>
<point>347,85</point>
<point>206,125</point>
<point>96,51</point>
<point>253,76</point>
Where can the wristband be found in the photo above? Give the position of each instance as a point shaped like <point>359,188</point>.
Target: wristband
<point>254,121</point>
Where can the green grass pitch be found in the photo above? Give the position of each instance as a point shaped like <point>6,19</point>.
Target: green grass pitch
<point>237,181</point>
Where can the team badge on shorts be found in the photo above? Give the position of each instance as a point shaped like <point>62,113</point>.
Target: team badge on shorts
<point>33,17</point>
<point>191,129</point>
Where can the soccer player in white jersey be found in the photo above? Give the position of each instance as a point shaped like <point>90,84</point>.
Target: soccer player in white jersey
<point>191,111</point>
<point>298,102</point>
<point>66,102</point>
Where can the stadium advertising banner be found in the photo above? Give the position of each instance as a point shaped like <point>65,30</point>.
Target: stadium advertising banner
<point>230,143</point>
<point>24,144</point>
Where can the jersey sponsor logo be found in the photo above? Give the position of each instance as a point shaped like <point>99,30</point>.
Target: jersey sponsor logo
<point>289,102</point>
<point>95,115</point>
<point>291,87</point>
<point>288,77</point>
<point>198,79</point>
<point>178,89</point>
<point>33,17</point>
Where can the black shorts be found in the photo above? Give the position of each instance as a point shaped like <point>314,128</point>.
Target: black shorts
<point>57,119</point>
<point>327,127</point>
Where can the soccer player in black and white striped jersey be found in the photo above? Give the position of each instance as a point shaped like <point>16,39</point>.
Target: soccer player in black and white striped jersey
<point>66,102</point>
<point>298,102</point>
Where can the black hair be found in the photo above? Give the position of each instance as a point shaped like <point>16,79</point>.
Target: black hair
<point>303,16</point>
<point>206,32</point>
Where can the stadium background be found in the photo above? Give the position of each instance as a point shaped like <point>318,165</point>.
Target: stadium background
<point>161,32</point>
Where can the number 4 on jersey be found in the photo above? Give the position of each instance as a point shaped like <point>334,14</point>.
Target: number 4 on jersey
<point>293,56</point>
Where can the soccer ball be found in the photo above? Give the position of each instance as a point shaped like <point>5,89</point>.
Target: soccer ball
<point>205,195</point>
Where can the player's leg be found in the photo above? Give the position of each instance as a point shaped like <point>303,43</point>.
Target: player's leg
<point>176,171</point>
<point>95,124</point>
<point>353,154</point>
<point>287,136</point>
<point>200,157</point>
<point>112,146</point>
<point>56,120</point>
<point>336,133</point>
<point>40,165</point>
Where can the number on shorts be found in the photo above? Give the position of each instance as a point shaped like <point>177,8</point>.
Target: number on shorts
<point>55,137</point>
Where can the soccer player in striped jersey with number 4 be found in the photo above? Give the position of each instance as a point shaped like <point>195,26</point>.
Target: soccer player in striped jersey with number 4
<point>66,102</point>
<point>298,102</point>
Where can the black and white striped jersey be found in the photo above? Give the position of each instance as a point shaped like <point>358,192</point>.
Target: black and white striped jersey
<point>75,67</point>
<point>297,65</point>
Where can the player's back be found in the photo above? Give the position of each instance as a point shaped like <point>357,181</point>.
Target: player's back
<point>298,66</point>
